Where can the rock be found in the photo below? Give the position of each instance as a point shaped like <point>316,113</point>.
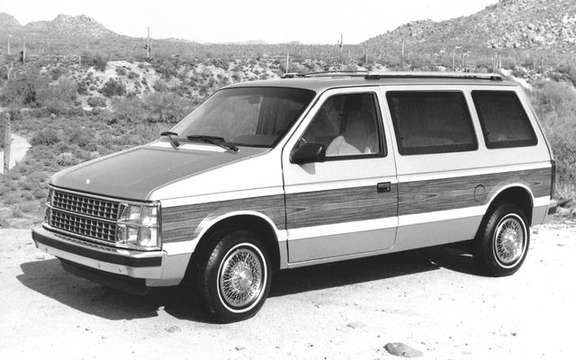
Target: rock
<point>562,211</point>
<point>403,350</point>
<point>65,158</point>
<point>356,325</point>
<point>173,329</point>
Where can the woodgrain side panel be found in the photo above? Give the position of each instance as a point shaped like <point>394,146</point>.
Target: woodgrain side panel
<point>341,205</point>
<point>453,193</point>
<point>180,223</point>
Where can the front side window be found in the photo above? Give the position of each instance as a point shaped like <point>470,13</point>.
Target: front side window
<point>431,122</point>
<point>503,119</point>
<point>251,116</point>
<point>346,125</point>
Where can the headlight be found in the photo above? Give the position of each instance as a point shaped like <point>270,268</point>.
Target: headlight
<point>138,227</point>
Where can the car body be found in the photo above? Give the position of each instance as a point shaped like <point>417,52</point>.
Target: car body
<point>442,165</point>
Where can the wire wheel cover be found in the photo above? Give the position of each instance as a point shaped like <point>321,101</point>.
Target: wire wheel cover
<point>509,240</point>
<point>241,278</point>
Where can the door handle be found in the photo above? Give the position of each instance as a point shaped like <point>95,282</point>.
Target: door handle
<point>384,187</point>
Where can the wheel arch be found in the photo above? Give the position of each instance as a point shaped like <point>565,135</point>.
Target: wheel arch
<point>516,193</point>
<point>252,220</point>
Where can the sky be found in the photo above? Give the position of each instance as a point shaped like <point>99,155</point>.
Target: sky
<point>307,21</point>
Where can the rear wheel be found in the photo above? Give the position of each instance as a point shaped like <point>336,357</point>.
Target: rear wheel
<point>234,275</point>
<point>503,239</point>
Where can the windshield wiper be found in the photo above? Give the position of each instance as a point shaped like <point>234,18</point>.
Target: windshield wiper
<point>172,137</point>
<point>215,140</point>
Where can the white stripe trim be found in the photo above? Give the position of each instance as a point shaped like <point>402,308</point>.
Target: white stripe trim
<point>422,218</point>
<point>402,178</point>
<point>234,195</point>
<point>542,201</point>
<point>184,247</point>
<point>342,228</point>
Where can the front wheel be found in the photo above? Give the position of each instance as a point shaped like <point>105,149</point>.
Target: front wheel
<point>235,275</point>
<point>502,241</point>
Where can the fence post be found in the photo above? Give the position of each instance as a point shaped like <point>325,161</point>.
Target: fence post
<point>7,141</point>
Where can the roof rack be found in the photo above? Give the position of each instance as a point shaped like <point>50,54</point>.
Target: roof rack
<point>393,74</point>
<point>435,75</point>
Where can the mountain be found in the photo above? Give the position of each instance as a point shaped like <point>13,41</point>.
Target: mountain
<point>62,26</point>
<point>72,26</point>
<point>509,24</point>
<point>8,21</point>
<point>74,35</point>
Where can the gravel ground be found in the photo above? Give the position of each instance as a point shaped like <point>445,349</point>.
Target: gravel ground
<point>431,300</point>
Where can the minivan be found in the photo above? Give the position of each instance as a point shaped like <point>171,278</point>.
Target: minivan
<point>303,170</point>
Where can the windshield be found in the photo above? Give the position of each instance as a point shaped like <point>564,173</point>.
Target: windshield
<point>251,116</point>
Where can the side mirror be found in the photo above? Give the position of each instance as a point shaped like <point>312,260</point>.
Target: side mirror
<point>308,153</point>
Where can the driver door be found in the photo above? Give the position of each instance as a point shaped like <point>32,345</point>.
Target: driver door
<point>347,205</point>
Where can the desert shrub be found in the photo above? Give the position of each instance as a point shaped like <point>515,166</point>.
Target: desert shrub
<point>129,108</point>
<point>98,61</point>
<point>56,73</point>
<point>555,103</point>
<point>46,137</point>
<point>23,89</point>
<point>121,71</point>
<point>113,88</point>
<point>96,101</point>
<point>167,107</point>
<point>80,137</point>
<point>59,97</point>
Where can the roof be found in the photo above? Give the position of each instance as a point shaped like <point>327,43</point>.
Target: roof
<point>322,81</point>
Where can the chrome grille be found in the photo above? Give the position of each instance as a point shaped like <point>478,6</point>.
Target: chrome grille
<point>77,224</point>
<point>84,215</point>
<point>86,205</point>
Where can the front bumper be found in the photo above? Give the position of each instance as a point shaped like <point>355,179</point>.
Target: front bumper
<point>157,268</point>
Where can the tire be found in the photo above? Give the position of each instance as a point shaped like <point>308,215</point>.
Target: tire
<point>502,241</point>
<point>234,275</point>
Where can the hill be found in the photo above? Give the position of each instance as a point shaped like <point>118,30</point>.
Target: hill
<point>509,24</point>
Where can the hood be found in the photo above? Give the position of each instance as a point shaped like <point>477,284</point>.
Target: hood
<point>135,173</point>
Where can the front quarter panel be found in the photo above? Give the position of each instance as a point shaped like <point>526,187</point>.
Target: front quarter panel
<point>253,187</point>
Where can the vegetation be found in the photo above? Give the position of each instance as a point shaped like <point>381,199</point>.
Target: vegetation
<point>555,103</point>
<point>72,112</point>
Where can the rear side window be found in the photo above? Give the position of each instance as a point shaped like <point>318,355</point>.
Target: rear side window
<point>431,122</point>
<point>503,119</point>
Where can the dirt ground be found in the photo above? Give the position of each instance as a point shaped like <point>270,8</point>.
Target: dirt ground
<point>431,300</point>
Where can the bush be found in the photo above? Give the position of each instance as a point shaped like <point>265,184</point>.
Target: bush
<point>555,104</point>
<point>96,101</point>
<point>130,109</point>
<point>121,71</point>
<point>167,107</point>
<point>96,60</point>
<point>113,88</point>
<point>23,89</point>
<point>59,97</point>
<point>46,137</point>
